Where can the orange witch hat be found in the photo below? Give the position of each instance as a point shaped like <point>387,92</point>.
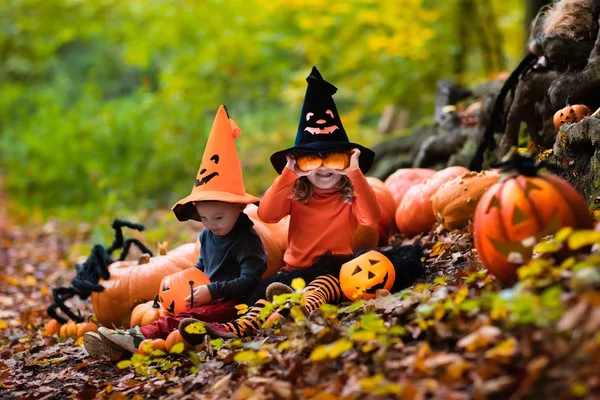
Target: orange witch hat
<point>219,177</point>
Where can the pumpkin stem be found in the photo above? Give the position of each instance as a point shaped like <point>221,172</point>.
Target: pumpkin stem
<point>155,304</point>
<point>144,259</point>
<point>192,294</point>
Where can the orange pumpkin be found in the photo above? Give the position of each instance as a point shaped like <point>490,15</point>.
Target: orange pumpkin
<point>364,275</point>
<point>147,313</point>
<point>403,179</point>
<point>570,115</point>
<point>415,213</point>
<point>131,284</point>
<point>147,346</point>
<point>274,238</point>
<point>62,332</point>
<point>387,225</point>
<point>308,162</point>
<point>70,330</point>
<point>176,287</point>
<point>83,327</point>
<point>337,161</point>
<point>519,210</point>
<point>175,338</point>
<point>455,201</point>
<point>52,327</point>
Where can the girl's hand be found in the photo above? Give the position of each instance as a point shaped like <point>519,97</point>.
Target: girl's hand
<point>201,297</point>
<point>291,165</point>
<point>354,165</point>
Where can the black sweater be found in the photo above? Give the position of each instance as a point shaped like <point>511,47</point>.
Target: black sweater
<point>234,263</point>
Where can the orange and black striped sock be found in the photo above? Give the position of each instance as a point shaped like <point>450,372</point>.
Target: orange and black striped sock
<point>248,323</point>
<point>325,289</point>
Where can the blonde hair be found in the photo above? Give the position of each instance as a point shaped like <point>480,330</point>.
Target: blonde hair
<point>303,189</point>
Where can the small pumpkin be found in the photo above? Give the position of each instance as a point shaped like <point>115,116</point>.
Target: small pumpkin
<point>147,313</point>
<point>176,287</point>
<point>455,201</point>
<point>52,327</point>
<point>175,338</point>
<point>570,115</point>
<point>403,179</point>
<point>132,283</point>
<point>308,162</point>
<point>70,330</point>
<point>387,223</point>
<point>337,161</point>
<point>415,213</point>
<point>519,210</point>
<point>364,275</point>
<point>147,346</point>
<point>83,327</point>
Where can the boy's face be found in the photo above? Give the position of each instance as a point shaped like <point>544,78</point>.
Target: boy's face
<point>217,216</point>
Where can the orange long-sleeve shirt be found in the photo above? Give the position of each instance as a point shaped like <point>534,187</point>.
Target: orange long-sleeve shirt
<point>325,223</point>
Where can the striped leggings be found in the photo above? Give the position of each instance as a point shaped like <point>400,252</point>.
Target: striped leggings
<point>323,290</point>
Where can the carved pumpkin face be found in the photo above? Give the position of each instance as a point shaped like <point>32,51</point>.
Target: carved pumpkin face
<point>309,162</point>
<point>321,124</point>
<point>204,175</point>
<point>364,275</point>
<point>176,287</point>
<point>570,115</point>
<point>513,215</point>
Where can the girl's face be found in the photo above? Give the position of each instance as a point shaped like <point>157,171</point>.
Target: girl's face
<point>217,216</point>
<point>324,178</point>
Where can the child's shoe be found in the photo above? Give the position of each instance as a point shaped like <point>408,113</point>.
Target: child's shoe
<point>101,349</point>
<point>128,339</point>
<point>276,289</point>
<point>194,337</point>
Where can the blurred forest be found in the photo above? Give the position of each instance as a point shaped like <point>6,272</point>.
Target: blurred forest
<point>105,105</point>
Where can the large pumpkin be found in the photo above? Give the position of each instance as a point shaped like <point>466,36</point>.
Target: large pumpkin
<point>131,283</point>
<point>364,275</point>
<point>519,210</point>
<point>415,213</point>
<point>176,287</point>
<point>387,224</point>
<point>403,179</point>
<point>455,201</point>
<point>274,238</point>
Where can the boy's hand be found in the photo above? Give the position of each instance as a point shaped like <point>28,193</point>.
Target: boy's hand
<point>201,297</point>
<point>291,165</point>
<point>354,165</point>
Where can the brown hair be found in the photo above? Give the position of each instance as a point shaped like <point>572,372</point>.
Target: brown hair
<point>303,189</point>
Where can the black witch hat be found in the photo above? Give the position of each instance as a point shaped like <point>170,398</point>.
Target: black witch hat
<point>320,129</point>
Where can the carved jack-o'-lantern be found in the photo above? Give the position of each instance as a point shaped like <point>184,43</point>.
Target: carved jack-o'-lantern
<point>515,213</point>
<point>176,287</point>
<point>570,115</point>
<point>364,275</point>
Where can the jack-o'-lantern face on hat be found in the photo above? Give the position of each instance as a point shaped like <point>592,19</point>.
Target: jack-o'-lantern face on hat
<point>322,124</point>
<point>205,176</point>
<point>364,275</point>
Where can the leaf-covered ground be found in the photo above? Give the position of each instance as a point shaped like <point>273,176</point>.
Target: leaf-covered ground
<point>455,335</point>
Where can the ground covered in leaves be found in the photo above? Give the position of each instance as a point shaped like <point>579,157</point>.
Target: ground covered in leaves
<point>457,334</point>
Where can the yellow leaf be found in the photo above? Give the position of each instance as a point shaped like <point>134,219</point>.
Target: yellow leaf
<point>340,347</point>
<point>378,385</point>
<point>178,348</point>
<point>298,284</point>
<point>363,336</point>
<point>30,281</point>
<point>319,353</point>
<point>242,308</point>
<point>44,290</point>
<point>437,249</point>
<point>196,328</point>
<point>3,325</point>
<point>503,350</point>
<point>563,234</point>
<point>581,239</point>
<point>79,341</point>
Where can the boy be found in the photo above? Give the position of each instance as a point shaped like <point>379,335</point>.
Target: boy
<point>232,253</point>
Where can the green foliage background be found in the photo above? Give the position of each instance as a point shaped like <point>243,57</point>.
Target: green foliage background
<point>105,105</point>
